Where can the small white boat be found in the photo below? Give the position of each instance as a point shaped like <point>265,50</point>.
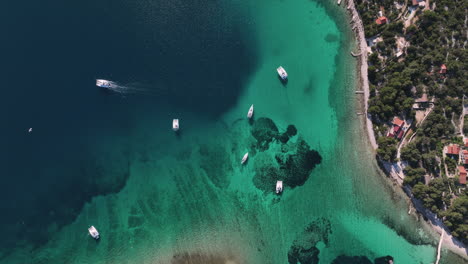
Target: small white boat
<point>175,124</point>
<point>282,73</point>
<point>30,130</point>
<point>103,83</point>
<point>93,232</point>
<point>251,111</point>
<point>279,187</point>
<point>244,159</point>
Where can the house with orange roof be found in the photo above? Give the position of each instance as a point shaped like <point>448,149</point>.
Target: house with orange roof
<point>381,20</point>
<point>397,130</point>
<point>443,69</point>
<point>461,175</point>
<point>398,122</point>
<point>453,150</point>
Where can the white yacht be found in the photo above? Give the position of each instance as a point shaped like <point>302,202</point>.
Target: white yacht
<point>244,159</point>
<point>250,113</point>
<point>175,124</point>
<point>93,232</point>
<point>30,130</point>
<point>279,187</point>
<point>103,83</point>
<point>282,73</point>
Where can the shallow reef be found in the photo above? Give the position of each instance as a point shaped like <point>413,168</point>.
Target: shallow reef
<point>264,130</point>
<point>293,160</point>
<point>351,260</point>
<point>304,250</point>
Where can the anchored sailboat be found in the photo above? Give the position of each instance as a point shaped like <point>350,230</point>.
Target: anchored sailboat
<point>250,113</point>
<point>244,159</point>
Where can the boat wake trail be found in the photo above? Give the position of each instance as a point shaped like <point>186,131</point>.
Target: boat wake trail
<point>131,88</point>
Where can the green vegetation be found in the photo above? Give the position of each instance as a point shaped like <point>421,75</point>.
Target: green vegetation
<point>411,154</point>
<point>431,195</point>
<point>434,37</point>
<point>455,217</point>
<point>413,176</point>
<point>451,164</point>
<point>387,148</point>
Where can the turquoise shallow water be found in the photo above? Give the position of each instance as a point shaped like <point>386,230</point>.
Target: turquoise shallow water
<point>187,196</point>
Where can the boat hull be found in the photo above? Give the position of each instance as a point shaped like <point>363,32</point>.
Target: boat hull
<point>103,83</point>
<point>175,124</point>
<point>93,232</point>
<point>279,187</point>
<point>282,73</point>
<point>250,112</point>
<point>245,158</point>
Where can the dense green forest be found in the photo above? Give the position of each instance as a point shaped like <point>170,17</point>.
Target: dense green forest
<point>405,63</point>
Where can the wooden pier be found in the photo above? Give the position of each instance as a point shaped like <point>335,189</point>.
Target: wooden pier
<point>439,247</point>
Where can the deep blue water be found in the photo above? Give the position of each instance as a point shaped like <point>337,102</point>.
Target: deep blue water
<point>190,55</point>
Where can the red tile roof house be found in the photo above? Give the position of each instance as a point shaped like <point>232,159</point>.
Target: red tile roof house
<point>462,175</point>
<point>443,69</point>
<point>415,2</point>
<point>466,142</point>
<point>381,20</point>
<point>397,130</point>
<point>453,150</point>
<point>398,122</point>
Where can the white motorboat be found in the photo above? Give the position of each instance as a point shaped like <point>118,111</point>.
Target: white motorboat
<point>282,73</point>
<point>103,83</point>
<point>93,232</point>
<point>175,124</point>
<point>279,187</point>
<point>30,130</point>
<point>244,159</point>
<point>251,111</point>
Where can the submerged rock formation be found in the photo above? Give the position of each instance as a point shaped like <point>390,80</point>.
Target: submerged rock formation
<point>304,250</point>
<point>351,260</point>
<point>297,163</point>
<point>383,260</point>
<point>291,131</point>
<point>293,161</point>
<point>264,131</point>
<point>302,255</point>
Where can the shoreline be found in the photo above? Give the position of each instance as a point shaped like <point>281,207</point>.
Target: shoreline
<point>363,81</point>
<point>446,240</point>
